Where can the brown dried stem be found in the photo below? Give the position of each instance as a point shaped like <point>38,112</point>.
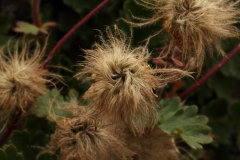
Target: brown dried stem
<point>70,32</point>
<point>215,69</point>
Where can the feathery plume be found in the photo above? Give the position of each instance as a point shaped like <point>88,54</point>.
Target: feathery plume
<point>195,26</point>
<point>124,82</point>
<point>85,137</point>
<point>22,78</point>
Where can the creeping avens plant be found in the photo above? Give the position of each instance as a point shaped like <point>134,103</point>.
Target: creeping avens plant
<point>123,113</point>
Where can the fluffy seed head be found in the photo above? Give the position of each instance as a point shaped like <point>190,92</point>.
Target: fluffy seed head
<point>22,78</point>
<point>124,82</point>
<point>195,26</point>
<point>85,137</point>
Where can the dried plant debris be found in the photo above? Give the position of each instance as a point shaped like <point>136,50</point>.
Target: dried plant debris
<point>124,82</point>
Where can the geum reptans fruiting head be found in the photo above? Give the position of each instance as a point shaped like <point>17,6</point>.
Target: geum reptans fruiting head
<point>22,77</point>
<point>124,82</point>
<point>195,26</point>
<point>85,137</point>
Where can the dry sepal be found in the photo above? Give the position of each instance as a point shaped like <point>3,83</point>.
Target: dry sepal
<point>22,77</point>
<point>195,26</point>
<point>124,82</point>
<point>85,137</point>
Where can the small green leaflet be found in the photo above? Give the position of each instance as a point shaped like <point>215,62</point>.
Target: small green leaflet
<point>27,28</point>
<point>176,119</point>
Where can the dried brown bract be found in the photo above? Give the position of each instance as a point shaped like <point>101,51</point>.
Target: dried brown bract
<point>22,78</point>
<point>195,26</point>
<point>85,137</point>
<point>124,82</point>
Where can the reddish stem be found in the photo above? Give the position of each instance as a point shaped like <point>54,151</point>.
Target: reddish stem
<point>70,32</point>
<point>35,13</point>
<point>12,125</point>
<point>215,69</point>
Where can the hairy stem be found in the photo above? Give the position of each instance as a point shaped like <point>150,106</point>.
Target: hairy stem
<point>12,125</point>
<point>35,13</point>
<point>70,32</point>
<point>215,69</point>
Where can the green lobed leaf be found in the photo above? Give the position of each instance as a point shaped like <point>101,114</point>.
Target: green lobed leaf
<point>29,144</point>
<point>182,121</point>
<point>10,152</point>
<point>51,101</point>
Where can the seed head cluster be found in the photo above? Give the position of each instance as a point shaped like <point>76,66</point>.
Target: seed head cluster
<point>84,137</point>
<point>124,82</point>
<point>22,78</point>
<point>195,26</point>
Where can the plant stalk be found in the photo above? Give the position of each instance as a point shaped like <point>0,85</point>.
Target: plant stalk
<point>215,69</point>
<point>71,31</point>
<point>35,13</point>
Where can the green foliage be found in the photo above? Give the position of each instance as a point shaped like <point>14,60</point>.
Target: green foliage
<point>182,121</point>
<point>27,28</point>
<point>52,103</point>
<point>30,144</point>
<point>10,153</point>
